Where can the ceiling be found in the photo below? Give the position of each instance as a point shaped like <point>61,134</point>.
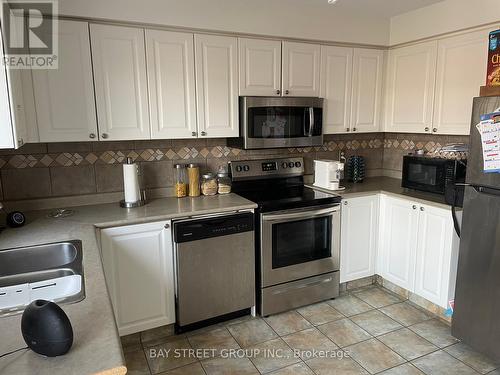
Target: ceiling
<point>377,8</point>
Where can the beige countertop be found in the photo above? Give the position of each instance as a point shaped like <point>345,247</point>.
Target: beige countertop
<point>389,186</point>
<point>96,347</point>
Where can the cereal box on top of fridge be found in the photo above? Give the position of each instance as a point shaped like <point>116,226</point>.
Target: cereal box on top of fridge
<point>493,74</point>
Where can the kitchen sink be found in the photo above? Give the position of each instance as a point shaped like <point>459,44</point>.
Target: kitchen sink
<point>51,271</point>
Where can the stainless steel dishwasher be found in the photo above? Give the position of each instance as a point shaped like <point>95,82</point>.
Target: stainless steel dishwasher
<point>214,268</point>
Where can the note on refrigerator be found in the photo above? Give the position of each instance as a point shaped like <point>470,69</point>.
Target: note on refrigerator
<point>489,129</point>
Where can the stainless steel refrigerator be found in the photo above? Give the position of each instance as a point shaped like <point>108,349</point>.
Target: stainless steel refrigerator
<point>476,317</point>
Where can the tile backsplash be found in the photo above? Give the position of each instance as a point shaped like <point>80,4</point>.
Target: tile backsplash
<point>66,169</point>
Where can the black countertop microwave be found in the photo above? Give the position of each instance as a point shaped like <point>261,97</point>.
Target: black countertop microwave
<point>432,174</point>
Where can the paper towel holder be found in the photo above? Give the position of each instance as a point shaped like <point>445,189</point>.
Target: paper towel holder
<point>138,203</point>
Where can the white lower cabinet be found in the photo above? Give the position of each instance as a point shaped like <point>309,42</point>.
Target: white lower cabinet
<point>138,266</point>
<point>359,237</point>
<point>419,249</point>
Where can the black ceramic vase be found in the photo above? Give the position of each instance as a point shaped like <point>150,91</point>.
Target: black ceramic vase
<point>46,328</point>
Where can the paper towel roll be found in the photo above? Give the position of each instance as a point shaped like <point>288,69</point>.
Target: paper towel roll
<point>131,183</point>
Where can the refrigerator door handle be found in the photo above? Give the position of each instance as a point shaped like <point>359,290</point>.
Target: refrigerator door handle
<point>456,224</point>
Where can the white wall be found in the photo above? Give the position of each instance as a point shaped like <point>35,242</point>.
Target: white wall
<point>286,18</point>
<point>443,17</point>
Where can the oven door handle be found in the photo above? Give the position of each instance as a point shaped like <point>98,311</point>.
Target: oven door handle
<point>300,215</point>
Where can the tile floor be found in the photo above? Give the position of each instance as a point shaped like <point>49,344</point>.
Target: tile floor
<point>370,330</point>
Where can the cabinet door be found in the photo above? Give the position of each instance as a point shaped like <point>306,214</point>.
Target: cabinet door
<point>434,252</point>
<point>138,266</point>
<point>119,62</point>
<point>300,69</point>
<point>172,97</point>
<point>400,218</point>
<point>217,85</point>
<point>359,237</point>
<point>367,90</point>
<point>410,88</point>
<point>461,69</point>
<point>336,88</point>
<point>64,97</point>
<point>260,67</point>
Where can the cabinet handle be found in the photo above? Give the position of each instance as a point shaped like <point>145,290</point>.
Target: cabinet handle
<point>278,92</point>
<point>104,135</point>
<point>414,207</point>
<point>193,134</point>
<point>203,133</point>
<point>434,130</point>
<point>166,226</point>
<point>422,209</point>
<point>287,92</point>
<point>91,135</point>
<point>426,129</point>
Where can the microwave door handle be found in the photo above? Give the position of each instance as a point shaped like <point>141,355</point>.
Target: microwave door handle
<point>311,121</point>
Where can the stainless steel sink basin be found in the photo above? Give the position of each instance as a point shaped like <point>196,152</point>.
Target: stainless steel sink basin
<point>51,271</point>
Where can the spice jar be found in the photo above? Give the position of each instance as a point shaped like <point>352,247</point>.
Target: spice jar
<point>194,180</point>
<point>224,181</point>
<point>181,180</point>
<point>209,184</point>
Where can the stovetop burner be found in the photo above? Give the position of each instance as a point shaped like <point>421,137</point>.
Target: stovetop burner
<point>276,184</point>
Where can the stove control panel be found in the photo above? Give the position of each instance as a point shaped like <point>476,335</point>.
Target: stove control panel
<point>266,168</point>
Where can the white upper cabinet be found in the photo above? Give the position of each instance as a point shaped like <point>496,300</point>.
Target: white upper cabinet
<point>336,88</point>
<point>399,237</point>
<point>119,62</point>
<point>217,85</point>
<point>64,97</point>
<point>171,78</point>
<point>367,90</point>
<point>358,252</point>
<point>461,70</point>
<point>300,69</point>
<point>410,88</point>
<point>259,67</point>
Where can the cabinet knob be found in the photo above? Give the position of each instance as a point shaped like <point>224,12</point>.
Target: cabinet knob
<point>104,135</point>
<point>347,129</point>
<point>345,203</point>
<point>203,133</point>
<point>166,226</point>
<point>278,92</point>
<point>193,134</point>
<point>434,130</point>
<point>354,129</point>
<point>414,207</point>
<point>422,209</point>
<point>426,129</point>
<point>91,135</point>
<point>20,141</point>
<point>287,92</point>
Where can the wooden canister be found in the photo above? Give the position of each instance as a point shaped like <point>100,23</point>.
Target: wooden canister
<point>194,180</point>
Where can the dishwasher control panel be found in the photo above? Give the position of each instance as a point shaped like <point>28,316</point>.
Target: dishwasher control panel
<point>197,229</point>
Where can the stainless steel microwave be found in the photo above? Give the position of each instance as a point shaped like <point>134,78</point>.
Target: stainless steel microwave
<point>269,122</point>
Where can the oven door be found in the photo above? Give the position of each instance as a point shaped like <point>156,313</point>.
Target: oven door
<point>281,122</point>
<point>299,243</point>
<point>425,174</point>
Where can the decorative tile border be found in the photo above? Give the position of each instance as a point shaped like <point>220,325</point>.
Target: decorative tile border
<point>68,159</point>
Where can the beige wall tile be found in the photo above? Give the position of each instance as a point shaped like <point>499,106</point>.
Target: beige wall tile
<point>109,177</point>
<point>26,183</point>
<point>72,180</point>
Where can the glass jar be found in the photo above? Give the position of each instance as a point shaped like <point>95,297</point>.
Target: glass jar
<point>180,180</point>
<point>209,184</point>
<point>194,180</point>
<point>224,182</point>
